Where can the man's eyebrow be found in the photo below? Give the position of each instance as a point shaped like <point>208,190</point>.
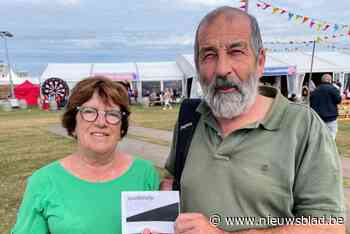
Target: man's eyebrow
<point>239,44</point>
<point>206,48</point>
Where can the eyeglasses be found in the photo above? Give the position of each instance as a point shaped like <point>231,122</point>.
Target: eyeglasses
<point>90,114</point>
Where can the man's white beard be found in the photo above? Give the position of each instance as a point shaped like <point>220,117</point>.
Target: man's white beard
<point>232,104</point>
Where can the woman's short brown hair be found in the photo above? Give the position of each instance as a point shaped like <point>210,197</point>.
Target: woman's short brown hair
<point>107,90</point>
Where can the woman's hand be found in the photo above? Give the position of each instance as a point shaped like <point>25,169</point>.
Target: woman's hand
<point>167,184</point>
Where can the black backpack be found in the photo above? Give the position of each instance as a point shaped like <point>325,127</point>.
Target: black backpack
<point>186,124</point>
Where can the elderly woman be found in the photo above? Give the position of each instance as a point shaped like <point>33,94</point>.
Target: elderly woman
<point>81,193</point>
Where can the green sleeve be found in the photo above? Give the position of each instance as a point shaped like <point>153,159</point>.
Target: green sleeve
<point>318,186</point>
<point>30,217</point>
<point>152,178</point>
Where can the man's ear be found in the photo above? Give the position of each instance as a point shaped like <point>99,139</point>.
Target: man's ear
<point>260,65</point>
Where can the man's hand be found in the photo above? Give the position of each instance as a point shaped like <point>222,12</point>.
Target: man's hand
<point>147,231</point>
<point>194,223</point>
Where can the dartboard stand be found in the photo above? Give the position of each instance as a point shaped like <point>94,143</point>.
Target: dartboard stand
<point>54,87</point>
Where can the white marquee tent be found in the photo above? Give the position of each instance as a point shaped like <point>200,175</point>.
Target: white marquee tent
<point>153,75</point>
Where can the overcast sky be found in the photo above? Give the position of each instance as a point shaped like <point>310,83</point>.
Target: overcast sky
<point>136,30</point>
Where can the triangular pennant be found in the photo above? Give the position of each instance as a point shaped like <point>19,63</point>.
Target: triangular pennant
<point>290,15</point>
<point>266,5</point>
<point>312,23</point>
<point>318,39</point>
<point>283,11</point>
<point>297,17</point>
<point>335,27</point>
<point>305,19</point>
<point>326,27</point>
<point>319,26</point>
<point>275,10</point>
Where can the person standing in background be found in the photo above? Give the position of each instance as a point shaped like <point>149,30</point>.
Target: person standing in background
<point>324,100</point>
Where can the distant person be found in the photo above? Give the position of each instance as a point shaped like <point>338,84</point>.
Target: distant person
<point>293,98</point>
<point>337,84</point>
<point>167,99</point>
<point>136,94</point>
<point>324,100</point>
<point>45,103</point>
<point>81,193</point>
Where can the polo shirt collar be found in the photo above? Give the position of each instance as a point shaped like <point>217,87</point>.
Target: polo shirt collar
<point>272,120</point>
<point>274,117</point>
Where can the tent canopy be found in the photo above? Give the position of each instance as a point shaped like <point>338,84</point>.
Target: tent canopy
<point>153,71</point>
<point>28,92</point>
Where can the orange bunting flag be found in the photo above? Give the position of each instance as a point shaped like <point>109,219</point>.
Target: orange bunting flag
<point>305,19</point>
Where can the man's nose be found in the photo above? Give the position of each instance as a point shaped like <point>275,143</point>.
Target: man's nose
<point>223,67</point>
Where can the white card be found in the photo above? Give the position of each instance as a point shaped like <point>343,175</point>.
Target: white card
<point>155,210</point>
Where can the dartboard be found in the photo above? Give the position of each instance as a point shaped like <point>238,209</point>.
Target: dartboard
<point>53,87</point>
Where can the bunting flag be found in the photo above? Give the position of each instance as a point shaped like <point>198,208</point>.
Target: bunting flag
<point>275,10</point>
<point>290,15</point>
<point>298,17</point>
<point>244,5</point>
<point>335,27</point>
<point>326,27</point>
<point>312,23</point>
<point>316,24</point>
<point>305,19</point>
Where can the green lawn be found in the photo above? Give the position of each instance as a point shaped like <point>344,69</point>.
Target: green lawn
<point>26,144</point>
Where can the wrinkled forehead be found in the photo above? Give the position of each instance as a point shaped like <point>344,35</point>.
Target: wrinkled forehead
<point>222,30</point>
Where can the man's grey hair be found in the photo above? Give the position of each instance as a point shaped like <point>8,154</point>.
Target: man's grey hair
<point>326,78</point>
<point>230,13</point>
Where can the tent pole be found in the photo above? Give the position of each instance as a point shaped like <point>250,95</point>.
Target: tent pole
<point>310,76</point>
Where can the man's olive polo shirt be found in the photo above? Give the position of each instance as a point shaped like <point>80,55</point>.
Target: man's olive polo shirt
<point>287,165</point>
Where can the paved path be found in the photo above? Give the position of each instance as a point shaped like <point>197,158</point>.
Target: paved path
<point>158,153</point>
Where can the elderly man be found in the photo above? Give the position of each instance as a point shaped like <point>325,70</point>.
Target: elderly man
<point>324,100</point>
<point>256,160</point>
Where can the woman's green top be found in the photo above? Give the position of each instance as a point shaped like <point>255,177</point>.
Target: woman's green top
<point>57,202</point>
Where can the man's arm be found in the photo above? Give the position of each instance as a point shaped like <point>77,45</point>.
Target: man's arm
<point>336,96</point>
<point>195,223</point>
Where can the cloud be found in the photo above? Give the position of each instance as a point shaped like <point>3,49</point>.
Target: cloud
<point>206,2</point>
<point>49,2</point>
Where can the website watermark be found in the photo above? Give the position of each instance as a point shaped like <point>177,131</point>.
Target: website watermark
<point>217,219</point>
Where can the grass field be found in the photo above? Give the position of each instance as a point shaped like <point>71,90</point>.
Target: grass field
<point>26,144</point>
